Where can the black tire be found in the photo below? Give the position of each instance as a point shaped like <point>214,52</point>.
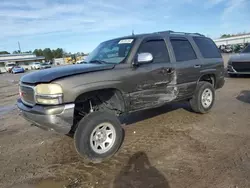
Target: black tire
<point>83,133</point>
<point>196,102</point>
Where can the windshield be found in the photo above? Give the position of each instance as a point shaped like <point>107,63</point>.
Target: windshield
<point>247,49</point>
<point>113,51</point>
<point>37,63</point>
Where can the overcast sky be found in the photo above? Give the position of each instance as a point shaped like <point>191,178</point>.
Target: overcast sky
<point>80,25</point>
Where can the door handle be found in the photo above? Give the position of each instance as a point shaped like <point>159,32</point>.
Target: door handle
<point>197,66</point>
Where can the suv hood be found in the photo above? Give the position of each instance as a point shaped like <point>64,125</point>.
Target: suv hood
<point>240,57</point>
<point>49,75</point>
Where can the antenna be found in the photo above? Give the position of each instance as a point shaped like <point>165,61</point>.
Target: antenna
<point>133,33</point>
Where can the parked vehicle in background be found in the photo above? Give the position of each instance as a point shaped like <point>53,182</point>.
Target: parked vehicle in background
<point>226,48</point>
<point>45,65</point>
<point>36,65</point>
<point>239,63</point>
<point>121,76</point>
<point>9,66</point>
<point>17,69</point>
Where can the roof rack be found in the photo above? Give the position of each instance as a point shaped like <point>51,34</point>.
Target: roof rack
<point>180,33</point>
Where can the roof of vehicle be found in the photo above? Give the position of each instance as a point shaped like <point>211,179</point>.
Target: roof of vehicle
<point>161,33</point>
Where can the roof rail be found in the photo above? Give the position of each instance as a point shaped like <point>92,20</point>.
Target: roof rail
<point>180,33</point>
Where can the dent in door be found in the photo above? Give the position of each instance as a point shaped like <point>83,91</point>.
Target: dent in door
<point>150,94</point>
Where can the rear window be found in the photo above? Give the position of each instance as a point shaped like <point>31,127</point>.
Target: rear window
<point>183,50</point>
<point>207,47</point>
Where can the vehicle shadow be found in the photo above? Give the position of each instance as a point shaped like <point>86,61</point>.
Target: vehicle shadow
<point>150,113</point>
<point>140,173</point>
<point>244,96</point>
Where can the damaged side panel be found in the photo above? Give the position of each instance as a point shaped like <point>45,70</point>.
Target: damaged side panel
<point>150,97</point>
<point>160,90</point>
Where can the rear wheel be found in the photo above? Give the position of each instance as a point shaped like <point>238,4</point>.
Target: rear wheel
<point>98,136</point>
<point>203,99</point>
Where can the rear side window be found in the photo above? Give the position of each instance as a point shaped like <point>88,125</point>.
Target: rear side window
<point>207,47</point>
<point>183,50</point>
<point>157,48</point>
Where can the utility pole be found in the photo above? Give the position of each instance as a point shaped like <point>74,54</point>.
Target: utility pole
<point>133,33</point>
<point>19,47</point>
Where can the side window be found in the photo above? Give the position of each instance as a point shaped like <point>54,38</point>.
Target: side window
<point>183,50</point>
<point>158,49</point>
<point>207,47</point>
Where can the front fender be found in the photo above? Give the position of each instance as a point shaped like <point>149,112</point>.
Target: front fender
<point>71,94</point>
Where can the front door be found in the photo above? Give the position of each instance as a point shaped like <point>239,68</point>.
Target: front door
<point>151,80</point>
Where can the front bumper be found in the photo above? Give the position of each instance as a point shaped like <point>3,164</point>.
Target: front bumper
<point>231,70</point>
<point>58,118</point>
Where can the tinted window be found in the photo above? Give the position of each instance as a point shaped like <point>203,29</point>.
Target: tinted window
<point>183,50</point>
<point>247,49</point>
<point>157,48</point>
<point>207,47</point>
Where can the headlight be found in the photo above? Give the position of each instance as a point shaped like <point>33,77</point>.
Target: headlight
<point>49,94</point>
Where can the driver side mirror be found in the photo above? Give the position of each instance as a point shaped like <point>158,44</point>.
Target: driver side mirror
<point>143,58</point>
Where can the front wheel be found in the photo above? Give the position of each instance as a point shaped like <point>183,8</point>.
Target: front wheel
<point>98,136</point>
<point>203,99</point>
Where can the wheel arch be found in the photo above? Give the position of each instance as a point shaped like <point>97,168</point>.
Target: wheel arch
<point>208,77</point>
<point>103,99</point>
<point>103,91</point>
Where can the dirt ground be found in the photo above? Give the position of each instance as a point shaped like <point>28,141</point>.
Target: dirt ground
<point>168,147</point>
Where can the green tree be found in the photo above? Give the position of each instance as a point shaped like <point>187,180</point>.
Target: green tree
<point>48,54</point>
<point>38,52</point>
<point>225,36</point>
<point>4,52</point>
<point>58,53</point>
<point>237,48</point>
<point>16,52</point>
<point>28,52</point>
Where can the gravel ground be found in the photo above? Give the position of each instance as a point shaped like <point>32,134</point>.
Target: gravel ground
<point>167,147</point>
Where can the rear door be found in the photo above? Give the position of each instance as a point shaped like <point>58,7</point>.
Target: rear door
<point>210,56</point>
<point>187,65</point>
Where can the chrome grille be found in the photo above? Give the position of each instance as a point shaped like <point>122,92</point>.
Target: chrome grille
<point>27,94</point>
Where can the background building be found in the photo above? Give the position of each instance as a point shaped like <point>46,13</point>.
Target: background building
<point>233,44</point>
<point>233,40</point>
<point>23,60</point>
